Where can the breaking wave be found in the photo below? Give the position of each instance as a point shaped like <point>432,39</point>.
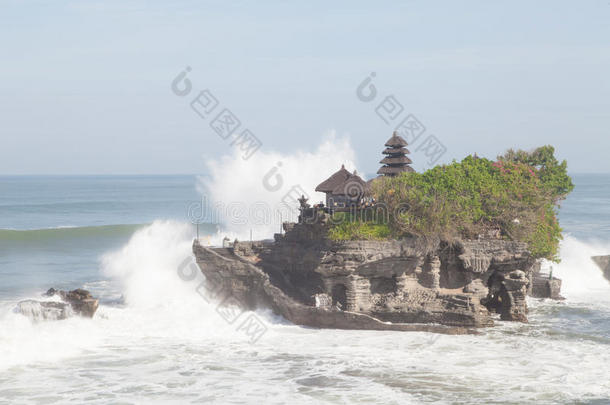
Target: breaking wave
<point>144,298</point>
<point>27,237</point>
<point>42,235</point>
<point>259,193</point>
<point>582,279</point>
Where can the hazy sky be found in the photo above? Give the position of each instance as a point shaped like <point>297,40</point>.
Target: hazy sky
<point>85,86</point>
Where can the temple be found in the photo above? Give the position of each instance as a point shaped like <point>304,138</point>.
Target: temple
<point>348,190</point>
<point>313,279</point>
<point>343,189</point>
<point>396,160</point>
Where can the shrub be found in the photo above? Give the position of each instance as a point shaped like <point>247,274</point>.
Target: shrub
<point>348,226</point>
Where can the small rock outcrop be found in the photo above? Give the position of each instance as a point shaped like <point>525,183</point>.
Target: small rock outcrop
<point>76,302</point>
<point>365,284</point>
<point>44,310</point>
<point>603,262</point>
<point>544,285</point>
<point>81,301</point>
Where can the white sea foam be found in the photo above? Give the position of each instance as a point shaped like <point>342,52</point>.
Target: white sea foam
<point>145,268</point>
<point>158,303</point>
<point>582,278</point>
<point>168,345</point>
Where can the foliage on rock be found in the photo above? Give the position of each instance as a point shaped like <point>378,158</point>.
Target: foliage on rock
<point>516,196</point>
<point>349,226</point>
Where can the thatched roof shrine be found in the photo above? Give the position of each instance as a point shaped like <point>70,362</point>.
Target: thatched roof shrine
<point>328,185</point>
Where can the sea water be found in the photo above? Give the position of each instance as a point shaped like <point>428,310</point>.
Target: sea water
<point>157,339</point>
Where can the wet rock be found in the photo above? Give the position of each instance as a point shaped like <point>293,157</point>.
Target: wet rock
<point>44,310</point>
<point>516,290</point>
<point>544,286</point>
<point>76,302</point>
<point>81,301</point>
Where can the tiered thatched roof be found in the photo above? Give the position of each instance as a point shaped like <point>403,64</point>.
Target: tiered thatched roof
<point>396,141</point>
<point>391,151</point>
<point>396,160</point>
<point>393,171</point>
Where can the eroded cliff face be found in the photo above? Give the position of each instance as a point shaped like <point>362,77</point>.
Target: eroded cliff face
<point>313,281</point>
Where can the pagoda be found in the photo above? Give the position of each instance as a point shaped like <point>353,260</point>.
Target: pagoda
<point>396,160</point>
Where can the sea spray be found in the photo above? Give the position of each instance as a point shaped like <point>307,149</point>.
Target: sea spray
<point>29,338</point>
<point>259,193</point>
<point>145,268</point>
<point>156,298</point>
<point>156,305</point>
<point>582,279</point>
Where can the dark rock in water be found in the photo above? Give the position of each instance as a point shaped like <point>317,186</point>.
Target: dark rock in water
<point>76,302</point>
<point>50,292</point>
<point>603,262</point>
<point>81,301</point>
<point>366,284</point>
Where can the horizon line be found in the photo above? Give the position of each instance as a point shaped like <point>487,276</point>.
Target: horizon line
<point>168,174</point>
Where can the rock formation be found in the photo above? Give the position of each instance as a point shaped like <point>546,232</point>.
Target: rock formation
<point>75,302</point>
<point>390,284</point>
<point>603,262</point>
<point>44,310</point>
<point>544,285</point>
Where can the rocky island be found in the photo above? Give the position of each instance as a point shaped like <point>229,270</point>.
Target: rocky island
<point>384,255</point>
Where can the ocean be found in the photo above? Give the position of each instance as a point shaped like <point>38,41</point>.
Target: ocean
<point>157,339</point>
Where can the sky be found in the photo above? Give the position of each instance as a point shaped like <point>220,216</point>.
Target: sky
<point>86,86</point>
